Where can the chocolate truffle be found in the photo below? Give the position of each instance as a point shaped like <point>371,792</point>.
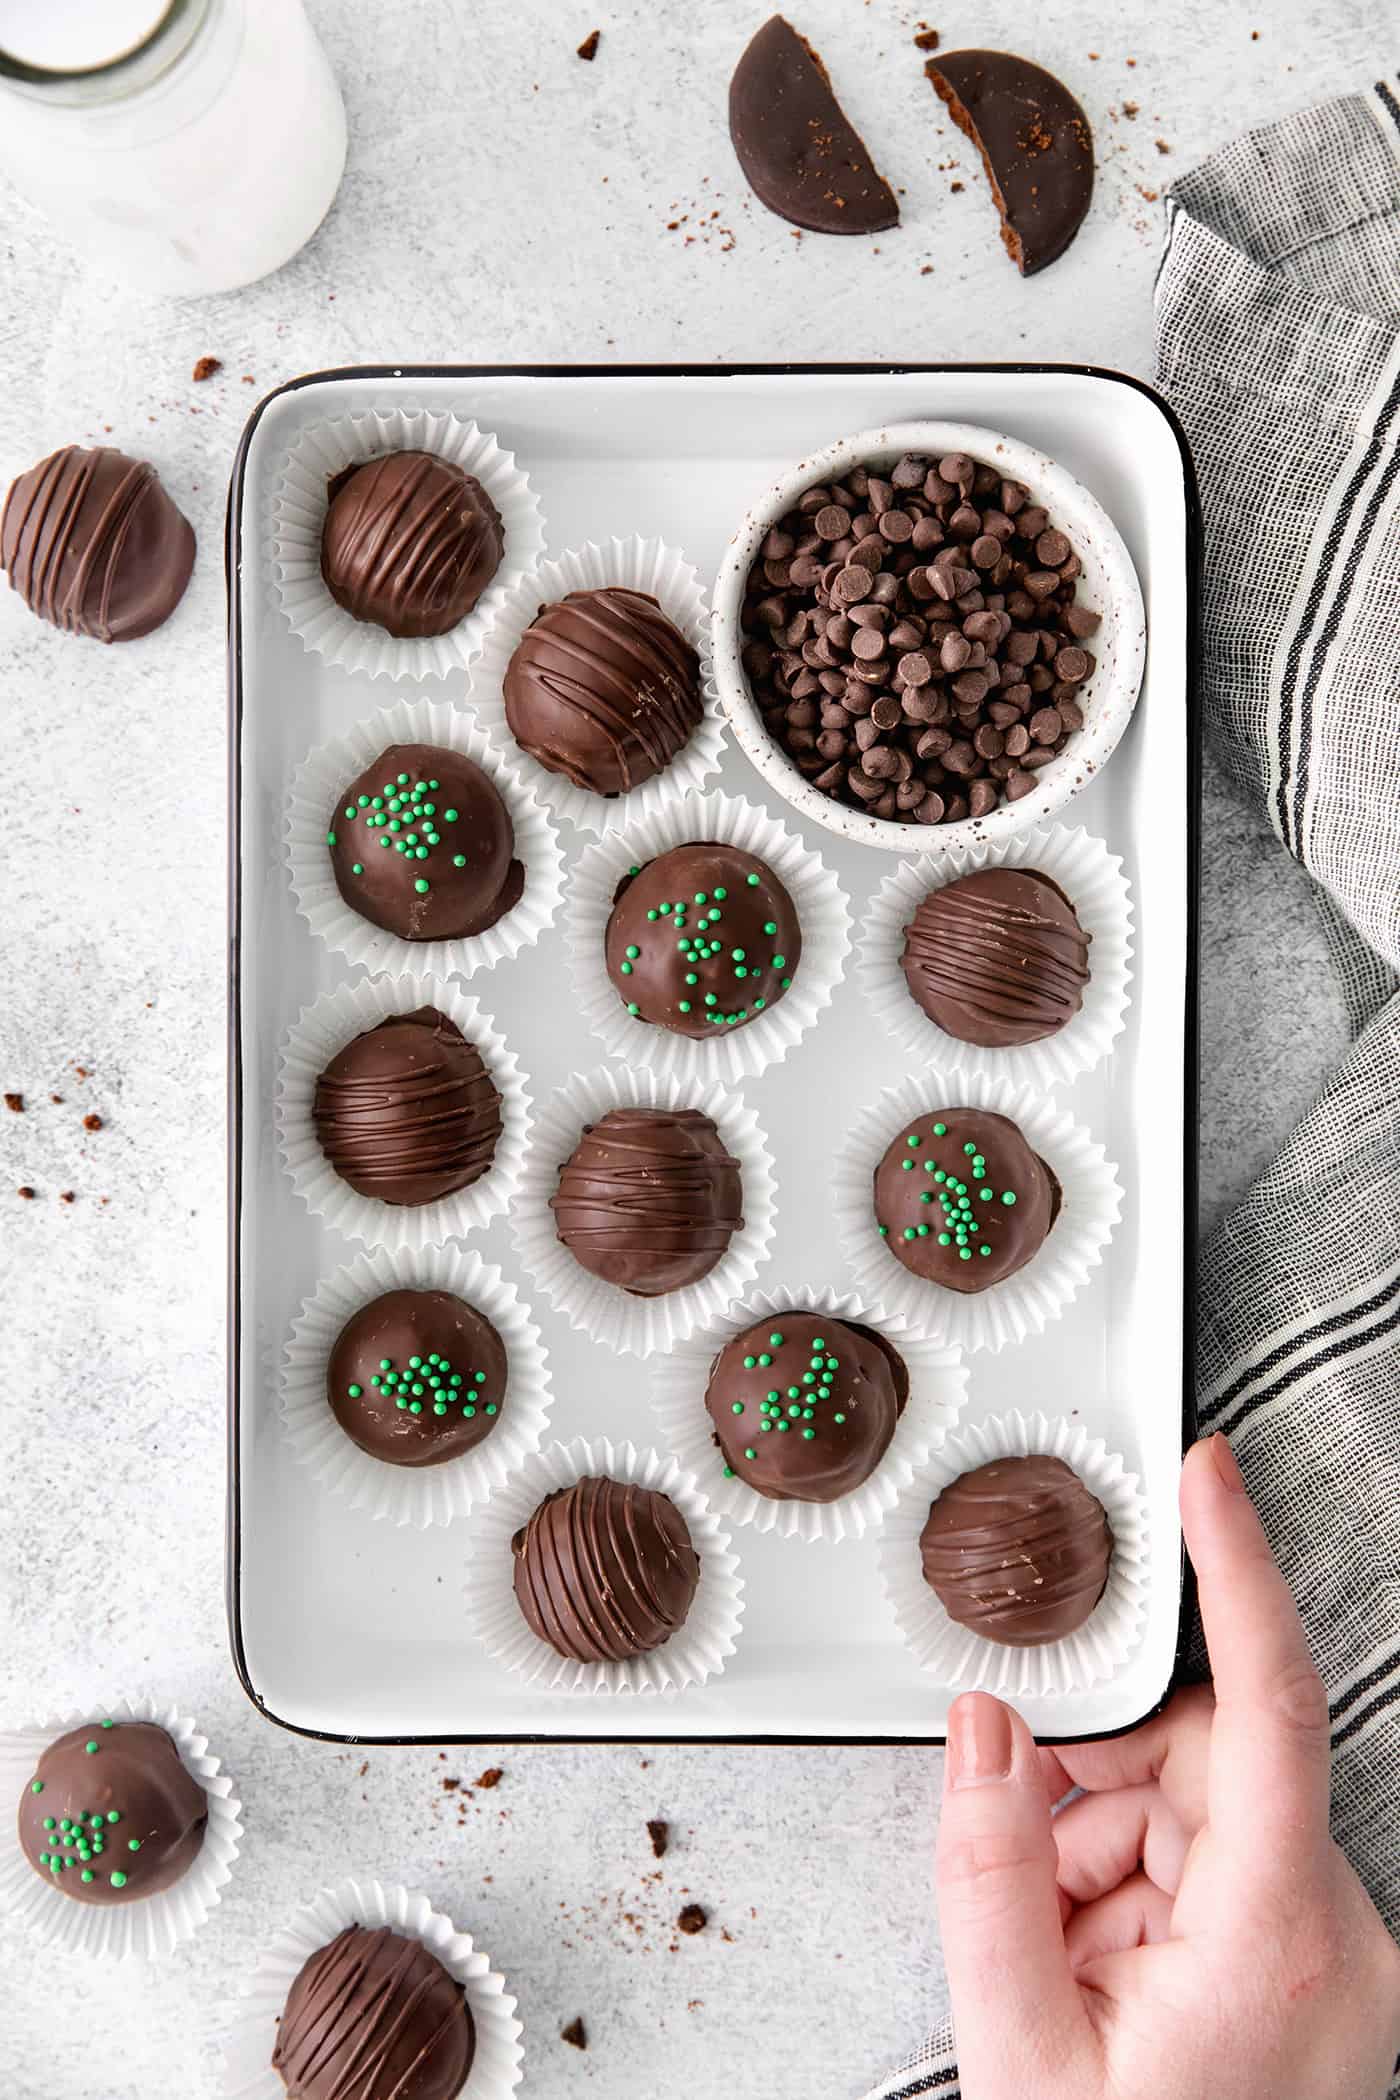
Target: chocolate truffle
<point>1035,144</point>
<point>603,689</point>
<point>422,844</point>
<point>997,958</point>
<point>408,1112</point>
<point>93,544</point>
<point>961,1199</point>
<point>417,1377</point>
<point>374,2016</point>
<point>804,1406</point>
<point>702,939</point>
<point>649,1199</point>
<point>410,542</point>
<point>802,156</point>
<point>605,1571</point>
<point>111,1814</point>
<point>1017,1551</point>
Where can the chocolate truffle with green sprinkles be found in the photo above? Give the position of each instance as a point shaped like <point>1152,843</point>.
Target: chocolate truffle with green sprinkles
<point>804,1406</point>
<point>417,1377</point>
<point>423,846</point>
<point>702,940</point>
<point>961,1199</point>
<point>110,1814</point>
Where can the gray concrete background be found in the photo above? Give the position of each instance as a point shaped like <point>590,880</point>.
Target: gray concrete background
<point>502,201</point>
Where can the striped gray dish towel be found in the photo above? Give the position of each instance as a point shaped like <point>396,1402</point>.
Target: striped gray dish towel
<point>1278,344</point>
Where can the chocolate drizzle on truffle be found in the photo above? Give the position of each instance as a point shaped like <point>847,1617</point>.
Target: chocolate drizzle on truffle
<point>603,689</point>
<point>997,958</point>
<point>605,1570</point>
<point>422,844</point>
<point>407,1112</point>
<point>410,542</point>
<point>94,545</point>
<point>1018,1550</point>
<point>961,1199</point>
<point>649,1199</point>
<point>111,1814</point>
<point>702,939</point>
<point>804,1405</point>
<point>417,1377</point>
<point>374,2016</point>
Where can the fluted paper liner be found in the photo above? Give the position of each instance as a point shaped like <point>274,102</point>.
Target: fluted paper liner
<point>956,1656</point>
<point>298,513</point>
<point>696,1651</point>
<point>143,1931</point>
<point>497,2065</point>
<point>937,1391</point>
<point>418,1495</point>
<point>632,564</point>
<point>639,1326</point>
<point>738,1053</point>
<point>324,775</point>
<point>326,1027</point>
<point>1024,1304</point>
<point>1093,880</point>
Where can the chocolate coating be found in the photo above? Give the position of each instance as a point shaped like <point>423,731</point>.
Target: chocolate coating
<point>374,2016</point>
<point>93,544</point>
<point>1017,1550</point>
<point>407,880</point>
<point>604,1570</point>
<point>603,689</point>
<point>802,156</point>
<point>723,902</point>
<point>417,1377</point>
<point>795,1441</point>
<point>410,543</point>
<point>649,1199</point>
<point>136,1817</point>
<point>407,1112</point>
<point>993,1205</point>
<point>1035,144</point>
<point>998,958</point>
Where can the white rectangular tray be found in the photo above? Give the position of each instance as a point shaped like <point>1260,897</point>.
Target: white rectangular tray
<point>345,1627</point>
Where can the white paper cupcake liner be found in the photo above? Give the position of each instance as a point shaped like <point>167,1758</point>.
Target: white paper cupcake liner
<point>324,775</point>
<point>498,2062</point>
<point>1093,880</point>
<point>298,514</point>
<point>739,1053</point>
<point>313,1040</point>
<point>418,1495</point>
<point>956,1656</point>
<point>142,1931</point>
<point>1024,1304</point>
<point>696,1651</point>
<point>937,1391</point>
<point>632,564</point>
<point>639,1326</point>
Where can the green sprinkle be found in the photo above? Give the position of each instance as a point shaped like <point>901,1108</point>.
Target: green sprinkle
<point>119,1880</point>
<point>1008,1196</point>
<point>940,1130</point>
<point>422,886</point>
<point>964,1254</point>
<point>775,1341</point>
<point>91,1749</point>
<point>353,1391</point>
<point>752,881</point>
<point>37,1787</point>
<point>779,962</point>
<point>737,1408</point>
<point>750,1452</point>
<point>729,1472</point>
<point>770,926</point>
<point>330,838</point>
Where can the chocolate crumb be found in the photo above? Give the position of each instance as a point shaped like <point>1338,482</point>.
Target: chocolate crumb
<point>575,2034</point>
<point>955,187</point>
<point>1130,109</point>
<point>589,49</point>
<point>492,1777</point>
<point>57,1100</point>
<point>450,1786</point>
<point>206,367</point>
<point>926,40</point>
<point>28,1194</point>
<point>659,1833</point>
<point>15,1104</point>
<point>693,1919</point>
<point>1150,195</point>
<point>65,1196</point>
<point>927,270</point>
<point>81,1070</point>
<point>92,1122</point>
<point>1161,145</point>
<point>364,1768</point>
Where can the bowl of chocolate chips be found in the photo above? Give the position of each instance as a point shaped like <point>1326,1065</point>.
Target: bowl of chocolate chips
<point>928,634</point>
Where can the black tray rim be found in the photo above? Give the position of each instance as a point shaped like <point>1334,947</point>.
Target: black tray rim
<point>233,577</point>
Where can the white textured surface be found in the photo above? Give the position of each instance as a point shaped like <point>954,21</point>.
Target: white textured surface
<point>504,202</point>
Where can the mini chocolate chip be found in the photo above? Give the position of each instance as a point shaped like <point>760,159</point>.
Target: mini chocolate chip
<point>909,472</point>
<point>1081,621</point>
<point>982,798</point>
<point>1051,548</point>
<point>896,526</point>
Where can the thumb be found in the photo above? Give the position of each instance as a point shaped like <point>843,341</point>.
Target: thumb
<point>1017,2010</point>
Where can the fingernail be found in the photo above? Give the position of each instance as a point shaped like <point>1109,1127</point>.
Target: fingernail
<point>979,1741</point>
<point>1227,1465</point>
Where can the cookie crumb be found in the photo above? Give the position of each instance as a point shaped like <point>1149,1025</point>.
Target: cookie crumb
<point>28,1194</point>
<point>206,367</point>
<point>15,1104</point>
<point>659,1833</point>
<point>693,1919</point>
<point>66,1196</point>
<point>1161,145</point>
<point>926,40</point>
<point>956,188</point>
<point>57,1100</point>
<point>492,1777</point>
<point>575,2034</point>
<point>588,49</point>
<point>92,1122</point>
<point>1130,109</point>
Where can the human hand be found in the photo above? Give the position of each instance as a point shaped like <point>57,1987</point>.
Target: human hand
<point>1187,1928</point>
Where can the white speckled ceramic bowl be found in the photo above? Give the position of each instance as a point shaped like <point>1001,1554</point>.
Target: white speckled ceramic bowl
<point>1108,583</point>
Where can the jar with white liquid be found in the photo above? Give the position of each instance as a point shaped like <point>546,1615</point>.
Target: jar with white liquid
<point>181,146</point>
